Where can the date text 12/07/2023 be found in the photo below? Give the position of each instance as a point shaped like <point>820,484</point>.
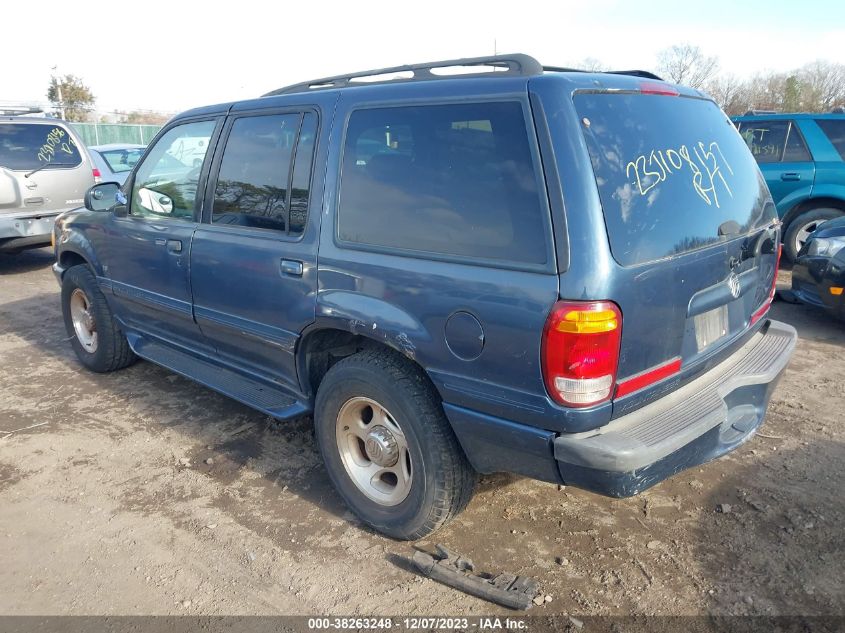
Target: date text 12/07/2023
<point>423,623</point>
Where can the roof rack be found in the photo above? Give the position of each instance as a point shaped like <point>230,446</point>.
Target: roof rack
<point>12,110</point>
<point>514,64</point>
<point>753,112</point>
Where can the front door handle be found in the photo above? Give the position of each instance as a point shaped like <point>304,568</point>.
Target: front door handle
<point>174,246</point>
<point>790,175</point>
<point>291,267</point>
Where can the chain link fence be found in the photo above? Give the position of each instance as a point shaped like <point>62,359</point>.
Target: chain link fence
<point>103,133</point>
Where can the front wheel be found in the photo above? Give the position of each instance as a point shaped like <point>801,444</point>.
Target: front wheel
<point>388,447</point>
<point>94,334</point>
<point>801,227</point>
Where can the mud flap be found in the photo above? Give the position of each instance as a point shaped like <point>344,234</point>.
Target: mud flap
<point>514,592</point>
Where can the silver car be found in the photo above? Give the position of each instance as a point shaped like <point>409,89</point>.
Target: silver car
<point>116,160</point>
<point>44,170</point>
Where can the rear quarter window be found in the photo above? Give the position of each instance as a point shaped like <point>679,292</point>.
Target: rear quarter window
<point>834,129</point>
<point>455,179</point>
<point>24,147</point>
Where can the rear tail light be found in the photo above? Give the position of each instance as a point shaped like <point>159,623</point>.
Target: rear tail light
<point>97,175</point>
<point>761,311</point>
<point>581,351</point>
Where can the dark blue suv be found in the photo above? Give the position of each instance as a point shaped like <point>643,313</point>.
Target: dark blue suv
<point>553,273</point>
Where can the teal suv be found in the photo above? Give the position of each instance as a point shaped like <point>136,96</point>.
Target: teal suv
<point>802,157</point>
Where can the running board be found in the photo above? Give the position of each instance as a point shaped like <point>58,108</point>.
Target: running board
<point>274,401</point>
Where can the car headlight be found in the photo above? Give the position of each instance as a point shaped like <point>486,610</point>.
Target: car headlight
<point>825,246</point>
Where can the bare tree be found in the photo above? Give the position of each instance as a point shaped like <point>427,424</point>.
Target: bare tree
<point>592,65</point>
<point>822,85</point>
<point>730,92</point>
<point>686,64</point>
<point>767,91</point>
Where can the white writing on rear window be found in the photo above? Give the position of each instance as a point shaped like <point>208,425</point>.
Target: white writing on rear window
<point>705,165</point>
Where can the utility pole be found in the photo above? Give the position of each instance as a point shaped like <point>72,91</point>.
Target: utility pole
<point>58,81</point>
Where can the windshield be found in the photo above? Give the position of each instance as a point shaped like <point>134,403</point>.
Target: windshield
<point>24,147</point>
<point>672,172</point>
<point>122,160</point>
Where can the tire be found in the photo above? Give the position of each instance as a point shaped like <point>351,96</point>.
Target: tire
<point>796,232</point>
<point>441,480</point>
<point>95,336</point>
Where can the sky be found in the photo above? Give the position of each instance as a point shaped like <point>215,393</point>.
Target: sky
<point>171,56</point>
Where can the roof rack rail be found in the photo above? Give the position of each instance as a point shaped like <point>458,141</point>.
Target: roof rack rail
<point>513,64</point>
<point>753,112</point>
<point>13,110</point>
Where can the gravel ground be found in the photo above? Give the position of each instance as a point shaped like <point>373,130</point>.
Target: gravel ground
<point>140,492</point>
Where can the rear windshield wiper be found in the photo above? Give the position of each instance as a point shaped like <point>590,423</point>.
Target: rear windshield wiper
<point>45,166</point>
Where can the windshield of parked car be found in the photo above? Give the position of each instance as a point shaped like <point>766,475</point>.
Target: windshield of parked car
<point>25,147</point>
<point>672,173</point>
<point>122,160</point>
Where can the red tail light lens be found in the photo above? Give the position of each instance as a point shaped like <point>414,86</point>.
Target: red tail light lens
<point>763,309</point>
<point>97,175</point>
<point>581,351</point>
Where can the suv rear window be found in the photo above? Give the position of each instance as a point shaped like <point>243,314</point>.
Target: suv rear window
<point>29,146</point>
<point>670,172</point>
<point>834,129</point>
<point>454,179</point>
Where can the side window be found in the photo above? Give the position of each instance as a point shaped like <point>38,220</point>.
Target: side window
<point>834,129</point>
<point>165,184</point>
<point>265,173</point>
<point>301,182</point>
<point>796,150</point>
<point>448,179</point>
<point>766,139</point>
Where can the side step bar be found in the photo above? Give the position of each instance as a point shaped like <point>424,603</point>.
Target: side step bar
<point>267,398</point>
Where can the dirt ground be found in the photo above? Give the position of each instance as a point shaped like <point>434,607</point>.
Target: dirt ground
<point>140,492</point>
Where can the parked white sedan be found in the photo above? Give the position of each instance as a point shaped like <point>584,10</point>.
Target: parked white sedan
<point>116,160</point>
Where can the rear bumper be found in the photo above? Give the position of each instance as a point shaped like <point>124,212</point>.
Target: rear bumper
<point>26,231</point>
<point>702,420</point>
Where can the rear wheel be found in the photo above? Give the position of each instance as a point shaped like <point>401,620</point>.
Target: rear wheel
<point>388,447</point>
<point>94,334</point>
<point>801,227</point>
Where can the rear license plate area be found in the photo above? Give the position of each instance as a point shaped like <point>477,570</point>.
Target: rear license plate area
<point>710,326</point>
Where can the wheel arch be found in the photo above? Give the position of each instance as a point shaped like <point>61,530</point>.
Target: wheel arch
<point>69,258</point>
<point>324,344</point>
<point>817,202</point>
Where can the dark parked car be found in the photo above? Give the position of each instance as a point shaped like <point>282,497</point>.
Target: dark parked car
<point>558,274</point>
<point>802,157</point>
<point>818,276</point>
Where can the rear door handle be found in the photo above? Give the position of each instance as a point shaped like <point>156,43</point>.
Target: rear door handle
<point>174,246</point>
<point>790,175</point>
<point>291,267</point>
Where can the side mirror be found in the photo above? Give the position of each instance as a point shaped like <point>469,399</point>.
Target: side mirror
<point>102,197</point>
